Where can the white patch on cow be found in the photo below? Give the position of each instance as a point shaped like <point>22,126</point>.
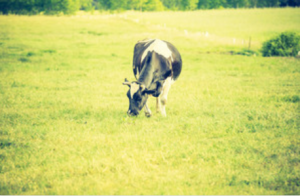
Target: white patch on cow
<point>134,88</point>
<point>159,47</point>
<point>145,40</point>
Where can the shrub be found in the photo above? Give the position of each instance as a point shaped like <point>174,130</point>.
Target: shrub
<point>286,44</point>
<point>245,52</point>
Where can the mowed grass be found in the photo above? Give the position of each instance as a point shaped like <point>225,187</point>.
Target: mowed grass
<point>232,124</point>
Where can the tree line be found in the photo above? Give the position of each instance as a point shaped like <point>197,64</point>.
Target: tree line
<point>71,6</point>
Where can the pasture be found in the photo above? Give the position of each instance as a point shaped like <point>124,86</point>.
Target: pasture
<point>232,124</point>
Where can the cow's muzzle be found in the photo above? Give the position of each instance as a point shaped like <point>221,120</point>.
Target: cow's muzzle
<point>132,113</point>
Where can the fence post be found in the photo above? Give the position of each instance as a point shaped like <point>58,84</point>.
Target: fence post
<point>249,43</point>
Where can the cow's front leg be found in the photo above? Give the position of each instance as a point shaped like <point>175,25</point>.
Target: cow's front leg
<point>147,110</point>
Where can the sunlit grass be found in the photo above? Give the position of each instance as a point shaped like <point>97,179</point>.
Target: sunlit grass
<point>259,24</point>
<point>232,124</point>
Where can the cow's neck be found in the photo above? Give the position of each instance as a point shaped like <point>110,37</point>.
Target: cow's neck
<point>146,75</point>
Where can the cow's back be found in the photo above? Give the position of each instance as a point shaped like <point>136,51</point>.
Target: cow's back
<point>142,46</point>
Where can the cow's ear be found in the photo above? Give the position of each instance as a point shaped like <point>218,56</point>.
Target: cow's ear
<point>149,92</point>
<point>166,74</point>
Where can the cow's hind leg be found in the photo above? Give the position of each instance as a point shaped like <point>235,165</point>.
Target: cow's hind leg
<point>164,95</point>
<point>147,110</point>
<point>158,105</point>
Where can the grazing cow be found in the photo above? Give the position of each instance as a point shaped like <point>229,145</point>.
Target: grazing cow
<point>156,65</point>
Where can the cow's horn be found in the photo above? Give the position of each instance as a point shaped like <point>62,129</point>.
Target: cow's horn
<point>126,82</point>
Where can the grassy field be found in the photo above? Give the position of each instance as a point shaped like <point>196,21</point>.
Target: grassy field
<point>232,124</point>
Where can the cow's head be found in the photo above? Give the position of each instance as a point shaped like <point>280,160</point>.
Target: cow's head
<point>137,95</point>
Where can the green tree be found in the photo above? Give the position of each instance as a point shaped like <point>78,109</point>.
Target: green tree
<point>86,5</point>
<point>294,3</point>
<point>213,4</point>
<point>71,6</point>
<point>268,3</point>
<point>171,4</point>
<point>153,5</point>
<point>119,4</point>
<point>273,3</point>
<point>203,4</point>
<point>188,4</point>
<point>253,3</point>
<point>103,4</point>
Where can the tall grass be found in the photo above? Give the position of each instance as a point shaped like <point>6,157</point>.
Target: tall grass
<point>232,124</point>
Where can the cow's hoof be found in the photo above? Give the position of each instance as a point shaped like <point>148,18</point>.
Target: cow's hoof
<point>148,115</point>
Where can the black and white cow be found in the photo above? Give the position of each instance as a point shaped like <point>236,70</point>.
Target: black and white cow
<point>156,65</point>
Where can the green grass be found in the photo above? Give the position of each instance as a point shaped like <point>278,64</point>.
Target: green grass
<point>232,124</point>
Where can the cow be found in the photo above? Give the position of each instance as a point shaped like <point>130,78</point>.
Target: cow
<point>156,66</point>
